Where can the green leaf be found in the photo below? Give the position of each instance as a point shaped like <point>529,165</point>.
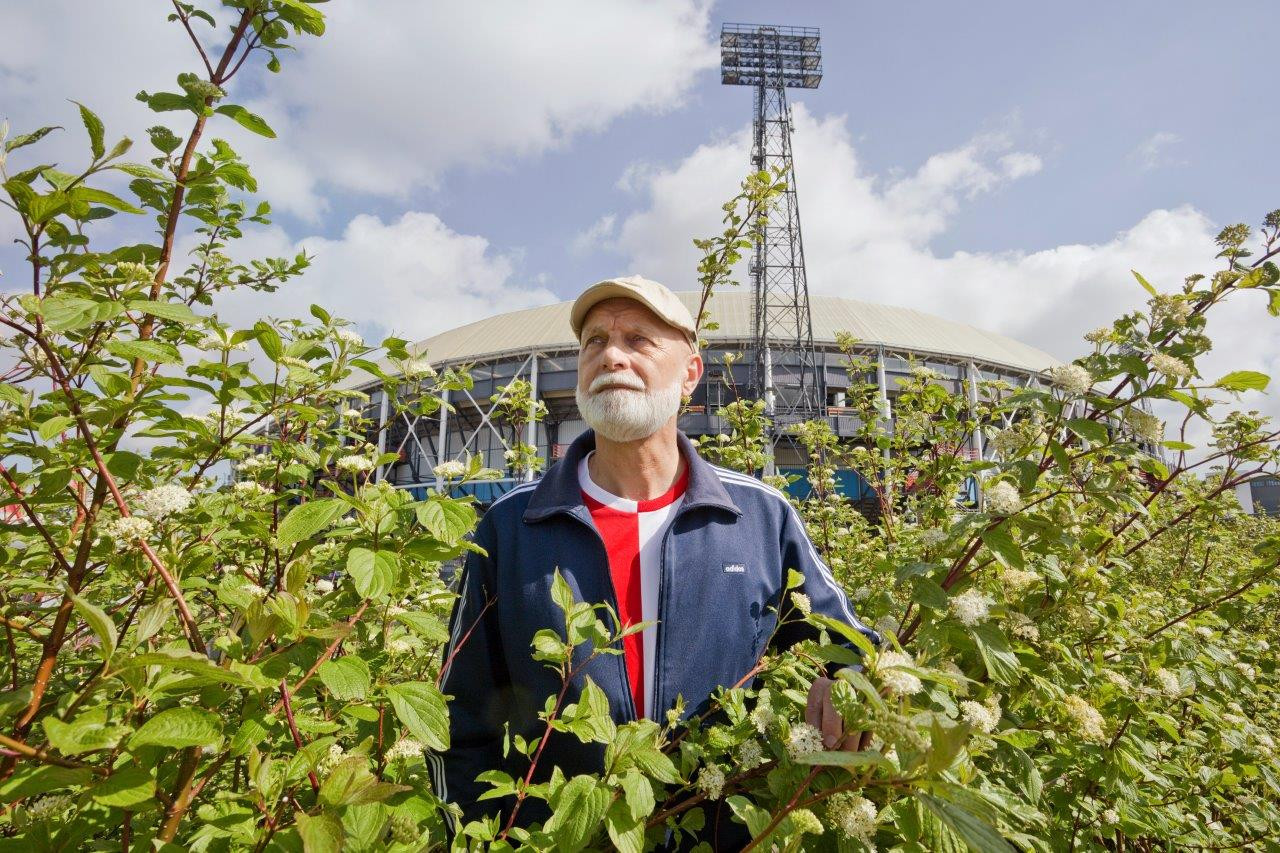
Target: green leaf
<point>88,732</point>
<point>980,837</point>
<point>841,758</point>
<point>372,572</point>
<point>1002,665</point>
<point>1002,544</point>
<point>148,350</point>
<point>54,426</point>
<point>421,707</point>
<point>425,625</point>
<point>179,728</point>
<point>27,138</point>
<point>445,518</point>
<point>1243,380</point>
<point>579,806</point>
<point>175,311</point>
<point>351,784</point>
<point>127,787</point>
<point>29,781</point>
<point>104,198</point>
<point>321,833</point>
<point>638,792</point>
<point>246,119</point>
<point>13,396</point>
<point>100,622</point>
<point>929,593</point>
<point>1091,431</point>
<point>1146,285</point>
<point>269,340</point>
<point>308,519</point>
<point>346,678</point>
<point>68,313</point>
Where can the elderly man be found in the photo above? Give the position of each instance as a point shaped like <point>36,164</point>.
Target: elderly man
<point>634,517</point>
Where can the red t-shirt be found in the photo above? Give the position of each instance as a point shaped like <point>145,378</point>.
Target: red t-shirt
<point>632,532</point>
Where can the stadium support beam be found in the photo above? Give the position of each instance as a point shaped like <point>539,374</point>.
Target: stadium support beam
<point>531,429</point>
<point>383,408</point>
<point>443,437</point>
<point>971,374</point>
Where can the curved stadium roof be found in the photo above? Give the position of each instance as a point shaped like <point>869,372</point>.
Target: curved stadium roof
<point>546,329</point>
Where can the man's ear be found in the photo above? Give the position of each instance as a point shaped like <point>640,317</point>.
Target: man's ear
<point>693,373</point>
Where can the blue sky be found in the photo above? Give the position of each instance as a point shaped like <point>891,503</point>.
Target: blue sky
<point>1002,163</point>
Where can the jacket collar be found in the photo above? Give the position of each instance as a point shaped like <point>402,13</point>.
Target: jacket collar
<point>558,490</point>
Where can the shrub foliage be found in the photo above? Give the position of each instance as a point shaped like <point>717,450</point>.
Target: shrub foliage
<point>1079,660</point>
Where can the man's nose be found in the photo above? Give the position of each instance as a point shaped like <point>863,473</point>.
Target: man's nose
<point>614,357</point>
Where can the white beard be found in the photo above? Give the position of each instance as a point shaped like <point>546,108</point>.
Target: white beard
<point>624,414</point>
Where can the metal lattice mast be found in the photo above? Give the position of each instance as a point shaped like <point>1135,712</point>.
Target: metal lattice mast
<point>785,366</point>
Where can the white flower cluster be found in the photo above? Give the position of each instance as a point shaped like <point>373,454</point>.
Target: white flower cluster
<point>1021,626</point>
<point>219,343</point>
<point>1170,685</point>
<point>331,760</point>
<point>806,822</point>
<point>323,586</point>
<point>352,415</point>
<point>1171,366</point>
<point>134,271</point>
<point>750,754</point>
<point>711,781</point>
<point>762,716</point>
<point>348,337</point>
<point>1166,308</point>
<point>293,361</point>
<point>983,716</point>
<point>127,529</point>
<point>925,374</point>
<point>50,805</point>
<point>899,729</point>
<point>897,681</point>
<point>1098,335</point>
<point>400,646</point>
<point>970,607</point>
<point>1144,425</point>
<point>162,502</point>
<point>803,740</point>
<point>354,464</point>
<point>417,367</point>
<point>1008,442</point>
<point>801,602</point>
<point>932,537</point>
<point>1002,498</point>
<point>250,489</point>
<point>1072,378</point>
<point>1016,580</point>
<point>450,470</point>
<point>1119,679</point>
<point>1110,817</point>
<point>405,749</point>
<point>254,464</point>
<point>853,815</point>
<point>1088,722</point>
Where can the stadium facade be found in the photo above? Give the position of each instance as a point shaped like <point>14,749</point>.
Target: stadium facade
<point>537,345</point>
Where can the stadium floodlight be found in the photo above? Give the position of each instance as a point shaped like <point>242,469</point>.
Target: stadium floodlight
<point>785,371</point>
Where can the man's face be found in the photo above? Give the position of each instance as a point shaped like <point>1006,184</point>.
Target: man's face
<point>633,369</point>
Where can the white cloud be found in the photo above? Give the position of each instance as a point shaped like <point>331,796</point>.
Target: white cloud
<point>598,234</point>
<point>389,98</point>
<point>868,237</point>
<point>1153,152</point>
<point>412,278</point>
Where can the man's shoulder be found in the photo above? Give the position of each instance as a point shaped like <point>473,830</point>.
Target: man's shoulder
<point>748,492</point>
<point>511,505</point>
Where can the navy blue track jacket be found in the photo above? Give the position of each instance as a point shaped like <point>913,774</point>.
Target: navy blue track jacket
<point>724,567</point>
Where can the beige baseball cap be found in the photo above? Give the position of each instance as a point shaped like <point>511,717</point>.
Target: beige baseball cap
<point>652,295</point>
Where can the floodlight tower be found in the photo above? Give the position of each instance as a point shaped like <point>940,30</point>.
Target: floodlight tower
<point>785,370</point>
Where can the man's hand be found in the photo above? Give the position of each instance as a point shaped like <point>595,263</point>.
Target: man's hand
<point>823,716</point>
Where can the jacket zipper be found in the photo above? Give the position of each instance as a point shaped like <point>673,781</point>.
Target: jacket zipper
<point>613,592</point>
<point>655,689</point>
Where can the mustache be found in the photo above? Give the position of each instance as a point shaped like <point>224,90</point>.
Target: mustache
<point>626,380</point>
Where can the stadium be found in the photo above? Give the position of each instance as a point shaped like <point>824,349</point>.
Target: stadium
<point>537,345</point>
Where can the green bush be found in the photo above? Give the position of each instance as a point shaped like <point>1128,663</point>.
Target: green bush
<point>1081,661</point>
